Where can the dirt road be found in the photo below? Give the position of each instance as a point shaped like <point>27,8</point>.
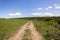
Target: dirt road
<point>29,25</point>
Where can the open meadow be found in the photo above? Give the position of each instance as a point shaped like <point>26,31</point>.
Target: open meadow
<point>48,27</point>
<point>9,26</point>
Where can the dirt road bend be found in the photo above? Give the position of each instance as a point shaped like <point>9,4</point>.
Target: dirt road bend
<point>29,25</point>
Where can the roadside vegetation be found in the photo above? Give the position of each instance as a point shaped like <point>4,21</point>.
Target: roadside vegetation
<point>49,27</point>
<point>9,26</point>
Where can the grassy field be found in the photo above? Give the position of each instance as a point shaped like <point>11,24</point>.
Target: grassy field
<point>9,26</point>
<point>48,27</point>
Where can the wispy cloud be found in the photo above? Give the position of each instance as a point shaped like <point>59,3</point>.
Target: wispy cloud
<point>15,14</point>
<point>44,14</point>
<point>48,14</point>
<point>36,14</point>
<point>38,9</point>
<point>52,7</point>
<point>56,6</point>
<point>49,7</point>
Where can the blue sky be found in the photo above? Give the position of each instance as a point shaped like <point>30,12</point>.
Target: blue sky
<point>21,8</point>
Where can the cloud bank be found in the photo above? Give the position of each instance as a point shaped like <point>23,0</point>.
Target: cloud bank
<point>57,6</point>
<point>45,14</point>
<point>15,14</point>
<point>38,9</point>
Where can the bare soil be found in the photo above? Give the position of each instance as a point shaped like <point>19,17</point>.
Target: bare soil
<point>29,25</point>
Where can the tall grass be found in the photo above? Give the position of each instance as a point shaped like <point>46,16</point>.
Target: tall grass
<point>9,26</point>
<point>48,28</point>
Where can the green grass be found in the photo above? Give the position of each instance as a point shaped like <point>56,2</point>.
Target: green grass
<point>9,26</point>
<point>47,28</point>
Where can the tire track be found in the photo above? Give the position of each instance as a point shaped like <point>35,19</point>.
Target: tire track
<point>20,33</point>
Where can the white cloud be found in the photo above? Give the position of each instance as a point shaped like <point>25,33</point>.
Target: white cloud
<point>48,14</point>
<point>43,14</point>
<point>37,9</point>
<point>15,14</point>
<point>35,14</point>
<point>56,6</point>
<point>49,7</point>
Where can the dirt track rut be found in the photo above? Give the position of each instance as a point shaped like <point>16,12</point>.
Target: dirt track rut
<point>29,25</point>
